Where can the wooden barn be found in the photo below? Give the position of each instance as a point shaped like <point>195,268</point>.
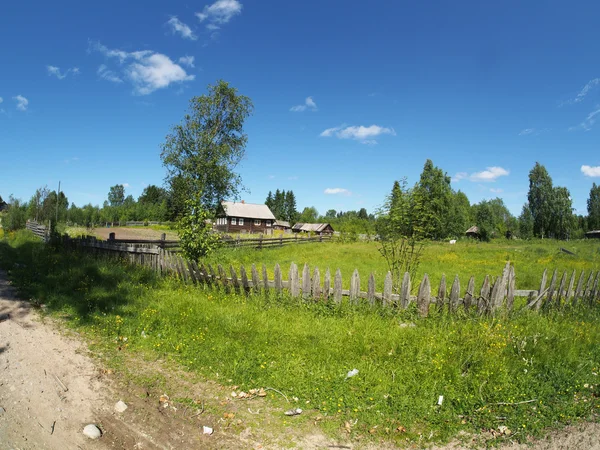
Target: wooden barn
<point>315,228</point>
<point>593,234</point>
<point>242,217</point>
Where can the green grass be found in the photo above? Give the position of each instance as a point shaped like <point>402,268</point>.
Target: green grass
<point>466,258</point>
<point>305,349</point>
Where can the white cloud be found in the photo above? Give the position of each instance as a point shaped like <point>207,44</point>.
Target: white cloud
<point>187,61</point>
<point>22,102</point>
<point>496,191</point>
<point>147,70</point>
<point>362,134</point>
<point>108,75</point>
<point>126,185</point>
<point>220,12</point>
<point>334,191</point>
<point>589,121</point>
<point>489,175</point>
<point>590,171</point>
<point>177,26</point>
<point>309,103</point>
<point>527,131</point>
<point>53,70</point>
<point>586,90</point>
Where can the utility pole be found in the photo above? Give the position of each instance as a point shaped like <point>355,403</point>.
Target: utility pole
<point>57,201</point>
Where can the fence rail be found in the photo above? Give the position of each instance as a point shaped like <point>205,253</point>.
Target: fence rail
<point>39,230</point>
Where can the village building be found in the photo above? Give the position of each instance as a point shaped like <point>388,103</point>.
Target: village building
<point>282,225</point>
<point>473,232</point>
<point>315,228</point>
<point>242,217</point>
<point>595,234</point>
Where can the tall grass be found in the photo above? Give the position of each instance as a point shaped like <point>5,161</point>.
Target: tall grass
<point>465,259</point>
<point>525,371</point>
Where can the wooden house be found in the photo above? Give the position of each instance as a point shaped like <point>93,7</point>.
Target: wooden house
<point>242,217</point>
<point>316,228</point>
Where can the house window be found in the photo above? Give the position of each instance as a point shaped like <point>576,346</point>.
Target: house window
<point>233,221</point>
<point>257,222</point>
<point>268,223</point>
<point>241,221</point>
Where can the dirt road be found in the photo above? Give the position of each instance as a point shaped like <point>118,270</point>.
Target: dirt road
<point>48,391</point>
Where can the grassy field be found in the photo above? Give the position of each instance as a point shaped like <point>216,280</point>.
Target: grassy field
<point>525,371</point>
<point>465,258</point>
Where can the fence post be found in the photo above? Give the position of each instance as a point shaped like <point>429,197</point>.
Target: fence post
<point>316,284</point>
<point>337,287</point>
<point>354,286</point>
<point>371,290</point>
<point>306,284</point>
<point>327,284</point>
<point>424,297</point>
<point>387,290</point>
<point>293,280</point>
<point>260,239</point>
<point>163,238</point>
<point>405,291</point>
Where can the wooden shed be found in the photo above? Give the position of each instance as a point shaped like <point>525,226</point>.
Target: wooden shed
<point>593,234</point>
<point>316,228</point>
<point>473,232</point>
<point>282,225</point>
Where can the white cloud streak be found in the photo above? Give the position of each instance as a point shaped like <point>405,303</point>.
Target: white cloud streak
<point>489,175</point>
<point>496,191</point>
<point>337,191</point>
<point>178,27</point>
<point>590,171</point>
<point>220,12</point>
<point>108,75</point>
<point>55,71</point>
<point>591,85</point>
<point>187,61</point>
<point>22,102</point>
<point>589,121</point>
<point>364,135</point>
<point>146,69</point>
<point>309,104</point>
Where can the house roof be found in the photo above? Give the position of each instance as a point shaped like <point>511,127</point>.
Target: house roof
<point>282,223</point>
<point>473,229</point>
<point>593,233</point>
<point>247,210</point>
<point>315,227</point>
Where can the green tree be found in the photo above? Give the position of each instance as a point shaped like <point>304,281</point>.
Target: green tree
<point>562,220</point>
<point>195,232</point>
<point>485,220</point>
<point>116,195</point>
<point>458,215</point>
<point>431,202</point>
<point>269,201</point>
<point>206,148</point>
<point>593,207</point>
<point>15,217</point>
<point>291,214</point>
<point>539,197</point>
<point>330,214</point>
<point>153,195</point>
<point>309,215</point>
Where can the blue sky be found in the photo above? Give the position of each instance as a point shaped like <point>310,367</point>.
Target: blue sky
<point>348,95</point>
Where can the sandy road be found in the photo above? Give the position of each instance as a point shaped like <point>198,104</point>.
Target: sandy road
<point>48,391</point>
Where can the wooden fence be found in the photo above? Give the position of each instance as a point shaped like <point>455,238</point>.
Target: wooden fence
<point>39,230</point>
<point>494,293</point>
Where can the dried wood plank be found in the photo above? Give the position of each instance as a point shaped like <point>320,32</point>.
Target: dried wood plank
<point>496,292</point>
<point>244,277</point>
<point>595,291</point>
<point>405,291</point>
<point>561,287</point>
<point>551,289</point>
<point>588,287</point>
<point>337,287</point>
<point>316,284</point>
<point>371,290</point>
<point>327,285</point>
<point>234,280</point>
<point>454,294</point>
<point>306,284</point>
<point>265,279</point>
<point>192,273</point>
<point>424,297</point>
<point>570,292</point>
<point>183,269</point>
<point>223,278</point>
<point>468,300</point>
<point>213,275</point>
<point>387,290</point>
<point>205,275</point>
<point>538,300</point>
<point>354,286</point>
<point>510,296</point>
<point>579,289</point>
<point>255,279</point>
<point>441,296</point>
<point>294,281</point>
<point>278,280</point>
<point>484,296</point>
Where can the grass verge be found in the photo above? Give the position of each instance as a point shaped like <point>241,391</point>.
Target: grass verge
<point>526,371</point>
